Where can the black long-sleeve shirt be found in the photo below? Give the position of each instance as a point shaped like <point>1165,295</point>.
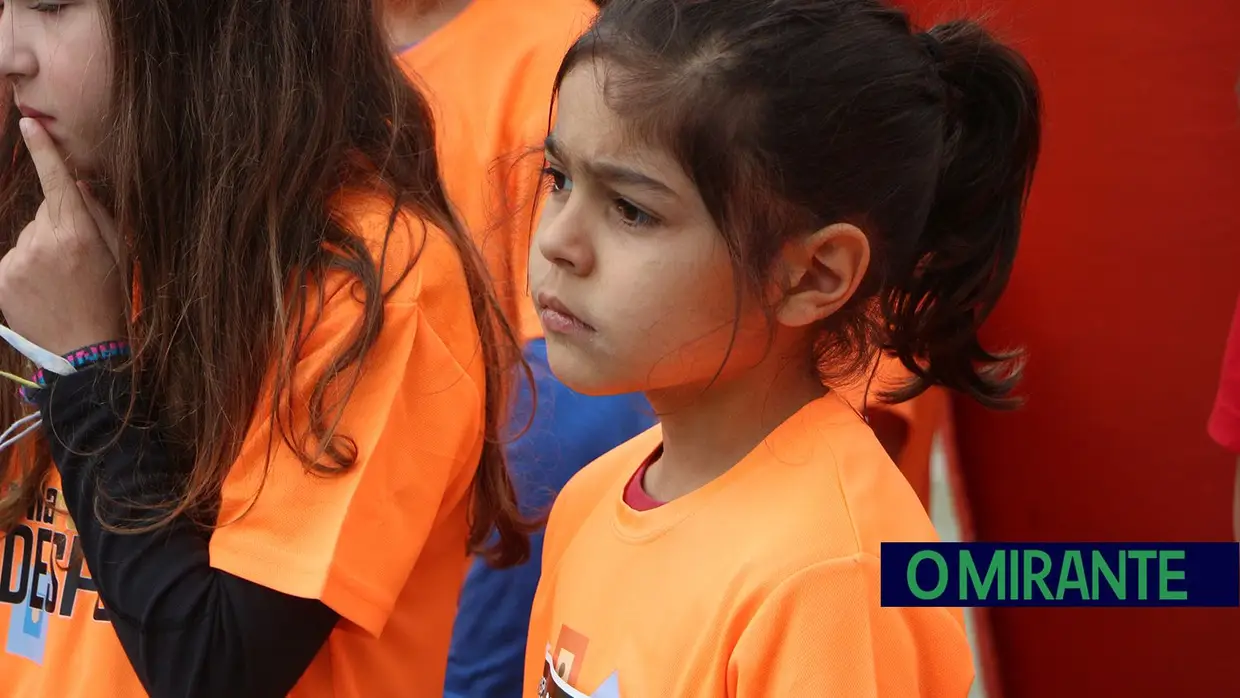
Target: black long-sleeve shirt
<point>188,629</point>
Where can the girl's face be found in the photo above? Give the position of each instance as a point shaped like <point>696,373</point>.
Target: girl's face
<point>631,277</point>
<point>56,56</point>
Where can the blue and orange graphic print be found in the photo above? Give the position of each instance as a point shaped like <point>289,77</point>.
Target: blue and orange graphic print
<point>43,575</point>
<point>562,669</point>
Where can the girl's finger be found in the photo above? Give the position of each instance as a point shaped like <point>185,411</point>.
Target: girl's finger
<point>54,176</point>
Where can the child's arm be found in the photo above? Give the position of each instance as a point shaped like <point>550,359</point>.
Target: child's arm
<point>823,633</point>
<point>188,629</point>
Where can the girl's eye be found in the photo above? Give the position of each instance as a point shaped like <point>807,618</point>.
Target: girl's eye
<point>558,181</point>
<point>634,216</point>
<point>48,7</point>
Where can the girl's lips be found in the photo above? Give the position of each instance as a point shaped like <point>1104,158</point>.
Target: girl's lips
<point>556,317</point>
<point>31,113</point>
<point>561,323</point>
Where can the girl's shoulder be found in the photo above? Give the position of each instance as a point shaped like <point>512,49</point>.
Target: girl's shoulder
<point>606,473</point>
<point>421,271</point>
<point>420,261</point>
<point>590,486</point>
<point>821,471</point>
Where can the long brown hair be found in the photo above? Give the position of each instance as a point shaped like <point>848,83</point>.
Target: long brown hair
<point>235,122</point>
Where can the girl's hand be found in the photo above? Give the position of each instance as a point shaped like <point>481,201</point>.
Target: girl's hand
<point>60,286</point>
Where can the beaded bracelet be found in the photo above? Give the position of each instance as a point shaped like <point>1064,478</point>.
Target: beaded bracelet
<point>95,353</point>
<point>82,358</point>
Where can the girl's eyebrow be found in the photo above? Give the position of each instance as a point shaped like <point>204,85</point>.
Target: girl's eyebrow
<point>551,145</point>
<point>609,172</point>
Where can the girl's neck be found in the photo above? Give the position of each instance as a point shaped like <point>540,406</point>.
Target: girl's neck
<point>410,21</point>
<point>706,433</point>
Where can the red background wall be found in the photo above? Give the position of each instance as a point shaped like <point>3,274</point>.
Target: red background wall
<point>1128,272</point>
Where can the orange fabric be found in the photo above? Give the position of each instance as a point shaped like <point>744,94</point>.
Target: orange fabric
<point>383,544</point>
<point>488,75</point>
<point>68,650</point>
<point>765,582</point>
<point>927,414</point>
<point>924,416</point>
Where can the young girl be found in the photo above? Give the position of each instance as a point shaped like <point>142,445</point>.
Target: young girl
<point>487,68</point>
<point>265,472</point>
<point>738,190</point>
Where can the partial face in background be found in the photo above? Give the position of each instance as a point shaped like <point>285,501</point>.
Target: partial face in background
<point>57,59</point>
<point>631,277</point>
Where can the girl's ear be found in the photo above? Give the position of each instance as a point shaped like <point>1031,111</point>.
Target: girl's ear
<point>821,272</point>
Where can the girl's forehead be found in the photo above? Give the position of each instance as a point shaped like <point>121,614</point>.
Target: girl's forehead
<point>584,119</point>
<point>588,128</point>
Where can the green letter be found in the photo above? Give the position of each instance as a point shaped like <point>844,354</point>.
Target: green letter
<point>1072,562</point>
<point>1099,564</point>
<point>912,575</point>
<point>1014,587</point>
<point>1142,575</point>
<point>968,572</point>
<point>1038,577</point>
<point>1165,575</point>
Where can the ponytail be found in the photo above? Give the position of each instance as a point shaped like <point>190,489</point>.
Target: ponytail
<point>964,256</point>
<point>927,143</point>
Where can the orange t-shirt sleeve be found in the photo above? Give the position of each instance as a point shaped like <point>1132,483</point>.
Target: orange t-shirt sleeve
<point>351,540</point>
<point>822,632</point>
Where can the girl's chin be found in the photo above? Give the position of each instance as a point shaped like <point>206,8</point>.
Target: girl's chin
<point>82,169</point>
<point>82,162</point>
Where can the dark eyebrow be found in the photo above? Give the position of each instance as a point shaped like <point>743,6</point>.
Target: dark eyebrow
<point>552,146</point>
<point>619,174</point>
<point>609,172</point>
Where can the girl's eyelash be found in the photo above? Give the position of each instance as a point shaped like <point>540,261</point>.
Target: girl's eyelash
<point>47,7</point>
<point>631,215</point>
<point>553,178</point>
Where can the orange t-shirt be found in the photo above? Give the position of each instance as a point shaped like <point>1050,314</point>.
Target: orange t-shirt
<point>488,74</point>
<point>383,544</point>
<point>922,418</point>
<point>762,583</point>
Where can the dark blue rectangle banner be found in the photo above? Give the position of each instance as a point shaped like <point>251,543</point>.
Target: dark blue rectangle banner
<point>1061,574</point>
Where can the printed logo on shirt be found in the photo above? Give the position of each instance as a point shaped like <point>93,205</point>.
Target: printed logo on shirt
<point>561,671</point>
<point>41,573</point>
<point>552,686</point>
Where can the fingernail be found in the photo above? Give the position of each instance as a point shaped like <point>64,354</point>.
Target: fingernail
<point>26,125</point>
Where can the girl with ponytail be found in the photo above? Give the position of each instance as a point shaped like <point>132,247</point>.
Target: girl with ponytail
<point>746,202</point>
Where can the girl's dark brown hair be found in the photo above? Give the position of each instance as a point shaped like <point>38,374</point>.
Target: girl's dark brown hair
<point>235,124</point>
<point>790,115</point>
